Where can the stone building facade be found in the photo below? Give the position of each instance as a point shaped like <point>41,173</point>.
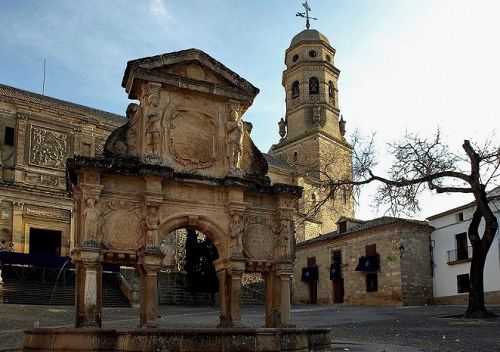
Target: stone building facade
<point>37,135</point>
<point>399,275</point>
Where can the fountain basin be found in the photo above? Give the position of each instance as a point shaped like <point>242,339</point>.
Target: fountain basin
<point>184,340</point>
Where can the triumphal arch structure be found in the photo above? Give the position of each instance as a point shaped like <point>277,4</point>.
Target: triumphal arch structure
<point>184,159</point>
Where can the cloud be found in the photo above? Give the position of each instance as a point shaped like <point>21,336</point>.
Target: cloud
<point>157,9</point>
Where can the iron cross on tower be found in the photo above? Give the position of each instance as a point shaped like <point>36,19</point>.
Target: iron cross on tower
<point>306,14</point>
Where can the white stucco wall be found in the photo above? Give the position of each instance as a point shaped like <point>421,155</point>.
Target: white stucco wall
<point>445,275</point>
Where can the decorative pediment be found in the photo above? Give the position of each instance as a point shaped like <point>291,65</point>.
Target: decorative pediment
<point>190,69</point>
<point>189,117</point>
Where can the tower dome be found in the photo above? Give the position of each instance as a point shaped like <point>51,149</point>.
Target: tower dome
<point>309,35</point>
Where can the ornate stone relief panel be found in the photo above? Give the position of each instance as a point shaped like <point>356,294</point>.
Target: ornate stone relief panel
<point>37,179</point>
<point>50,213</point>
<point>121,225</point>
<point>259,239</point>
<point>49,148</point>
<point>192,139</point>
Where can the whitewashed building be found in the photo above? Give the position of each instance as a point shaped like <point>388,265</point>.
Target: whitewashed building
<point>452,252</point>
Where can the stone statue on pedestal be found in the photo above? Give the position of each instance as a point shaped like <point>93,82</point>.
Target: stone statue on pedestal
<point>90,215</point>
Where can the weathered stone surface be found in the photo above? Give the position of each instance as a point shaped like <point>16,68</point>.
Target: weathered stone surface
<point>404,277</point>
<point>182,340</point>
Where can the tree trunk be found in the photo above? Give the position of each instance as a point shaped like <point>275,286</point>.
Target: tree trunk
<point>476,308</point>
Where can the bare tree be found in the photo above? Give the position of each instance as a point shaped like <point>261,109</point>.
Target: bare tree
<point>428,164</point>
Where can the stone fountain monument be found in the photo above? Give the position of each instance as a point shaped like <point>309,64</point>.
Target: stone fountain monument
<point>183,159</point>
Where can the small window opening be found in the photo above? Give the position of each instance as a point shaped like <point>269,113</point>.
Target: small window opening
<point>371,282</point>
<point>463,283</point>
<point>295,156</point>
<point>313,85</point>
<point>295,90</point>
<point>9,136</point>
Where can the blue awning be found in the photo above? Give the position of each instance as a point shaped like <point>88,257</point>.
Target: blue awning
<point>43,260</point>
<point>310,274</point>
<point>335,271</point>
<point>368,264</point>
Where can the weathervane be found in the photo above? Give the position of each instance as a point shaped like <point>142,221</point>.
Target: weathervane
<point>306,14</point>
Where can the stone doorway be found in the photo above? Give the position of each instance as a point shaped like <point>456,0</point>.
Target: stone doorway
<point>43,241</point>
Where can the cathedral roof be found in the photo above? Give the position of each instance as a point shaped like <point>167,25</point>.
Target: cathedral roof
<point>23,96</point>
<point>278,163</point>
<point>309,35</point>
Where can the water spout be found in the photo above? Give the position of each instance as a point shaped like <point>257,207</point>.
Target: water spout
<point>57,280</point>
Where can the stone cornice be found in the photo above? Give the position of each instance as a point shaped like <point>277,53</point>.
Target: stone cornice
<point>302,42</point>
<point>287,142</point>
<point>133,167</point>
<point>155,63</point>
<point>302,105</point>
<point>226,91</point>
<point>310,65</point>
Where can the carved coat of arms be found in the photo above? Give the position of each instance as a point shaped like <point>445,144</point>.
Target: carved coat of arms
<point>192,139</point>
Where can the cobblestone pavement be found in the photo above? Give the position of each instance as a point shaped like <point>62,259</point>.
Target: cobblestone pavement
<point>393,329</point>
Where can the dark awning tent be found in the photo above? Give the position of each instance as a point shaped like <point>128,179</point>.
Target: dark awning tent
<point>335,271</point>
<point>42,260</point>
<point>368,264</point>
<point>310,274</point>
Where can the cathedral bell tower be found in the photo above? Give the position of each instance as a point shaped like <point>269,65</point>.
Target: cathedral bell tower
<point>312,122</point>
<point>312,132</point>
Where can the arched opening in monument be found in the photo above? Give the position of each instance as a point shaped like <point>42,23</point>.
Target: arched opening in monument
<point>188,276</point>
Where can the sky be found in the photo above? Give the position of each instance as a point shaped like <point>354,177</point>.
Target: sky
<point>406,65</point>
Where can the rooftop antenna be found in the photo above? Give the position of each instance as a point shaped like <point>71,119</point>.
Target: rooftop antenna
<point>306,14</point>
<point>43,84</point>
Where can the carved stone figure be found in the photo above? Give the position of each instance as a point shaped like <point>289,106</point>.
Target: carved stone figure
<point>153,119</point>
<point>236,231</point>
<point>316,115</point>
<point>90,215</point>
<point>152,227</point>
<point>285,234</point>
<point>235,139</point>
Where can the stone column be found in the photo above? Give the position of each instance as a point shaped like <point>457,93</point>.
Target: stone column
<point>285,300</point>
<point>149,267</point>
<point>91,266</point>
<point>225,319</point>
<point>236,269</point>
<point>17,226</point>
<point>270,310</point>
<point>235,307</point>
<point>284,275</point>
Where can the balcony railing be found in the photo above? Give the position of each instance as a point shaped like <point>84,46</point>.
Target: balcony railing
<point>459,255</point>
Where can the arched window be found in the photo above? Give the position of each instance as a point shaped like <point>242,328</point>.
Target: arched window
<point>313,85</point>
<point>295,90</point>
<point>331,93</point>
<point>295,156</point>
<point>314,198</point>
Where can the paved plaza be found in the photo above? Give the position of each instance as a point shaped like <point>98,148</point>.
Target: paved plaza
<point>396,329</point>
